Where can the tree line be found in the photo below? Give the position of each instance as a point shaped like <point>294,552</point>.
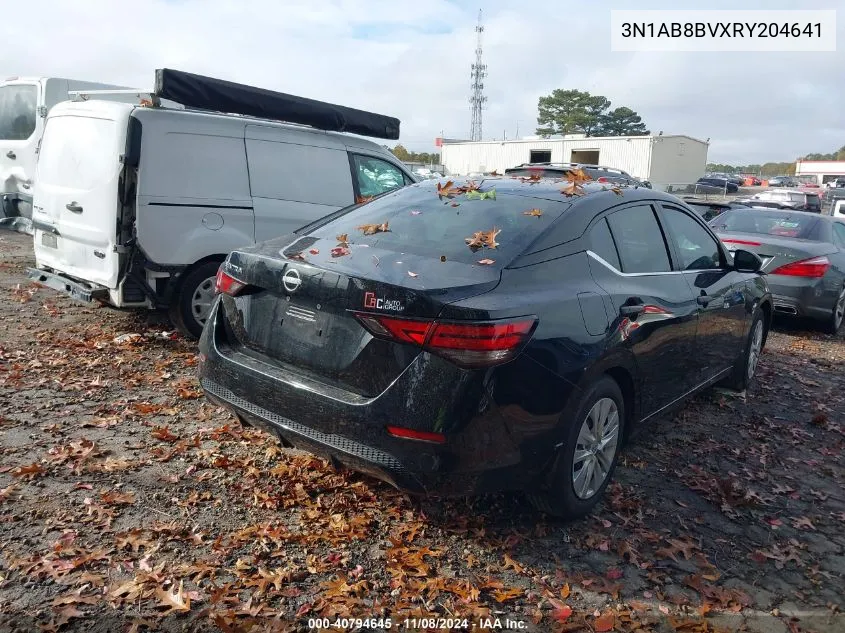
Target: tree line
<point>773,169</point>
<point>413,157</point>
<point>579,112</point>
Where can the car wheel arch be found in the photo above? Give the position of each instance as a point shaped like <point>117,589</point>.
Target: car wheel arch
<point>621,367</point>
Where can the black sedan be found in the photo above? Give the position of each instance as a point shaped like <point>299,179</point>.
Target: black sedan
<point>803,255</point>
<point>457,338</point>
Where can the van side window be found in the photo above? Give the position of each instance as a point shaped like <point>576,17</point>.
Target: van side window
<point>17,112</point>
<point>376,176</point>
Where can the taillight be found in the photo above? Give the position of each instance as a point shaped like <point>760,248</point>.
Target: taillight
<point>226,284</point>
<point>467,344</point>
<point>814,268</point>
<point>742,242</point>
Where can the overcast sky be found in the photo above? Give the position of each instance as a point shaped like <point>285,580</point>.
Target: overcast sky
<point>411,59</point>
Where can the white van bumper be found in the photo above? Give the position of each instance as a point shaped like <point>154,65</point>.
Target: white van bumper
<point>79,290</point>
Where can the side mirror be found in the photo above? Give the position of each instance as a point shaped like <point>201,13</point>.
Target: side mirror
<point>747,262</point>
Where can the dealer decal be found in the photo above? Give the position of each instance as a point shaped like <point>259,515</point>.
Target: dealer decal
<point>372,302</point>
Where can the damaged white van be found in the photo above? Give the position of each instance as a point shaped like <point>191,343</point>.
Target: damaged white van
<point>137,205</point>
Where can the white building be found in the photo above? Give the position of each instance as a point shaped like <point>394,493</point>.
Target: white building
<point>821,170</point>
<point>663,160</point>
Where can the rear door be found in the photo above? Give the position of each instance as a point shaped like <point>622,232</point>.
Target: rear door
<point>657,313</point>
<point>20,128</point>
<point>76,203</point>
<point>719,291</point>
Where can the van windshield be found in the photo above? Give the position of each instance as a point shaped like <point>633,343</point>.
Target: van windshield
<point>17,111</point>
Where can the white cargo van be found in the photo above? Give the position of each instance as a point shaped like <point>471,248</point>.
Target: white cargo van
<point>24,104</point>
<point>137,205</point>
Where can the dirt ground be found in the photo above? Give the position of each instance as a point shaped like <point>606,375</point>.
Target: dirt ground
<point>129,503</point>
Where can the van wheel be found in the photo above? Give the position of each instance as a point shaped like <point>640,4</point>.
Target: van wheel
<point>192,303</point>
<point>585,462</point>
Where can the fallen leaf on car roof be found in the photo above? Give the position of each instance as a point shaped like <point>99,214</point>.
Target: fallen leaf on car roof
<point>297,256</point>
<point>340,251</point>
<point>572,189</point>
<point>343,238</point>
<point>532,179</point>
<point>372,229</point>
<point>487,262</point>
<point>577,176</point>
<point>314,251</point>
<point>535,213</point>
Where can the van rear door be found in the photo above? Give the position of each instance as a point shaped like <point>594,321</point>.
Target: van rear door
<point>75,209</point>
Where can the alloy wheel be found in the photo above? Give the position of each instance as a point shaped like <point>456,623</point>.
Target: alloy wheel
<point>595,448</point>
<point>755,349</point>
<point>202,299</point>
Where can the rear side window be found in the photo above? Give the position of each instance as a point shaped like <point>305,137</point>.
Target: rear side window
<point>419,222</point>
<point>814,203</point>
<point>17,112</point>
<point>639,240</point>
<point>601,243</point>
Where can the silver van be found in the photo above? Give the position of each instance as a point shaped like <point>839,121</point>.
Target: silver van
<point>137,205</point>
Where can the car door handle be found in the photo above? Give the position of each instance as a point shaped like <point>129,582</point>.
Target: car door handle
<point>72,206</point>
<point>11,154</point>
<point>632,311</point>
<point>705,300</point>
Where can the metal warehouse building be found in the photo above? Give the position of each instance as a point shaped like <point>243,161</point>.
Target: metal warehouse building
<point>663,160</point>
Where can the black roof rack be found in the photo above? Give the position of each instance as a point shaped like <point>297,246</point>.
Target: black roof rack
<point>218,95</point>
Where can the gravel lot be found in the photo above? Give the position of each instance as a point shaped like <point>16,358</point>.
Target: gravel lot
<point>128,503</point>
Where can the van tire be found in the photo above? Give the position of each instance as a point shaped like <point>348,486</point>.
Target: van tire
<point>182,309</point>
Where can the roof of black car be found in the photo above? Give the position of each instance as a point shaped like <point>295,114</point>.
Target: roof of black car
<point>551,188</point>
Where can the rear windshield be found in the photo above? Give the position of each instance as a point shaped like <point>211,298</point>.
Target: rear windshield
<point>765,222</point>
<point>421,223</point>
<point>17,111</point>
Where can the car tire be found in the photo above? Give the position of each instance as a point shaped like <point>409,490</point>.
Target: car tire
<point>564,494</point>
<point>838,316</point>
<point>746,365</point>
<point>193,298</point>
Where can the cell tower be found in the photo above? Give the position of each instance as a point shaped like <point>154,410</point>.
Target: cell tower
<point>477,98</point>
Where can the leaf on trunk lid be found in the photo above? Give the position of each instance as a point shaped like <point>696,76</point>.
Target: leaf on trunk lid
<point>297,256</point>
<point>447,190</point>
<point>343,238</point>
<point>532,179</point>
<point>534,213</point>
<point>372,229</point>
<point>572,189</point>
<point>481,195</point>
<point>340,251</point>
<point>487,262</point>
<point>314,251</point>
<point>363,199</point>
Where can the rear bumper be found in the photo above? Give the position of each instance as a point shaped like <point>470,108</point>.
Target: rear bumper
<point>793,296</point>
<point>481,455</point>
<point>79,290</point>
